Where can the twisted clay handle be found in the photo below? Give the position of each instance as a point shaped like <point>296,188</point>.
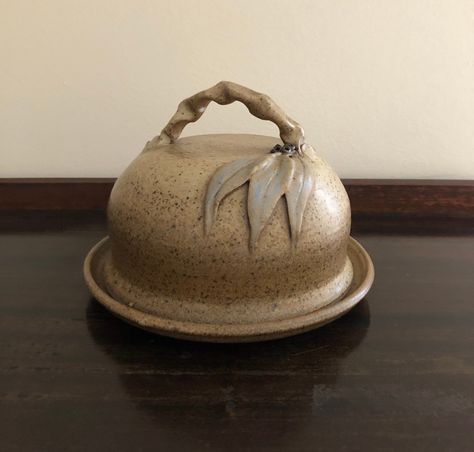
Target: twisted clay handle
<point>260,105</point>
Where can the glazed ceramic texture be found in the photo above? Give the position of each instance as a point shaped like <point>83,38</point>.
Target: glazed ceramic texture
<point>362,280</point>
<point>260,105</point>
<point>164,263</point>
<point>228,238</point>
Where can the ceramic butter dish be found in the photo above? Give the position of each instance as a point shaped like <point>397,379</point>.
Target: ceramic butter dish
<point>228,238</point>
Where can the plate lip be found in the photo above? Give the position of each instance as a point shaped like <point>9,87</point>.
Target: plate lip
<point>211,332</point>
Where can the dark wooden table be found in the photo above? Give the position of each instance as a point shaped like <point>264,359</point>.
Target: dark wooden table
<point>396,373</point>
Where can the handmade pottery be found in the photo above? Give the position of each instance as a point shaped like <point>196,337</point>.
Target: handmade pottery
<point>228,237</point>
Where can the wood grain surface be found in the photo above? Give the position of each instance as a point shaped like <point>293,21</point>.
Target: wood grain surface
<point>396,373</point>
<point>380,197</point>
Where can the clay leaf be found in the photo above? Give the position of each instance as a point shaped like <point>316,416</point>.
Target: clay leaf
<point>225,180</point>
<point>266,187</point>
<point>297,196</point>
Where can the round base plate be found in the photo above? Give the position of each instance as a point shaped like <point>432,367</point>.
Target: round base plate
<point>361,283</point>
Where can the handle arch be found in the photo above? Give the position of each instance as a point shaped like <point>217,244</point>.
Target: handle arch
<point>224,93</point>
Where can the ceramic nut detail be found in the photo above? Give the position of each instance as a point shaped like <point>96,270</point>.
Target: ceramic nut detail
<point>228,237</point>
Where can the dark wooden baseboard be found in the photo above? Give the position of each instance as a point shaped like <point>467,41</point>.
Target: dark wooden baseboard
<point>55,193</point>
<point>369,197</point>
<point>411,197</point>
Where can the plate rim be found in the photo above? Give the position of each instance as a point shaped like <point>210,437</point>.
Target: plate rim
<point>210,332</point>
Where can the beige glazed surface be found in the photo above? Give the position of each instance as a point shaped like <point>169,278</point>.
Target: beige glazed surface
<point>227,230</point>
<point>361,282</point>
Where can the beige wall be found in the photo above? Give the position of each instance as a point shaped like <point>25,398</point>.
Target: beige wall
<point>384,88</point>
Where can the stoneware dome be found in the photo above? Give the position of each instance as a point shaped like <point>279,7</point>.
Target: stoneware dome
<point>228,237</point>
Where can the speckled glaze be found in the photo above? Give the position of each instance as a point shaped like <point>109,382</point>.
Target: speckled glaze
<point>163,263</point>
<point>229,332</point>
<point>162,260</point>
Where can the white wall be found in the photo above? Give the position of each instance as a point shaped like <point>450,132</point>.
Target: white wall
<point>384,88</point>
